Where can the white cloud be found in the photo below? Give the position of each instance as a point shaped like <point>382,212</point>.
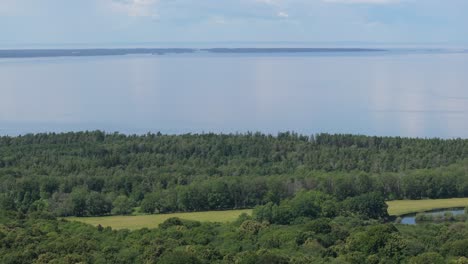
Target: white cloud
<point>274,3</point>
<point>269,2</point>
<point>283,14</point>
<point>135,8</point>
<point>219,20</point>
<point>280,2</point>
<point>8,7</point>
<point>362,1</point>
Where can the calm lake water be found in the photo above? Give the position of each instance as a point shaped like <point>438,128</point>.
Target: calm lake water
<point>411,219</point>
<point>388,93</point>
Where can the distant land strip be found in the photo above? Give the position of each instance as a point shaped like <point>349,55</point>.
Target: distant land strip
<point>38,53</point>
<point>289,50</point>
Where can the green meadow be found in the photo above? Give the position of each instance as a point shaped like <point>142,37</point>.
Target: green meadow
<point>401,207</point>
<point>398,207</point>
<point>151,221</point>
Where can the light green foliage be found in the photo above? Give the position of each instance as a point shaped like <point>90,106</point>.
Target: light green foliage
<point>427,258</point>
<point>122,205</point>
<point>401,207</point>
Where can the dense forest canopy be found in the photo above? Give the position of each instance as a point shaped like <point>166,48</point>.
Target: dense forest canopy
<point>214,154</point>
<point>96,173</point>
<point>316,199</point>
<point>346,238</point>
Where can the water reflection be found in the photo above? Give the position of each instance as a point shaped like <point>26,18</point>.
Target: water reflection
<point>420,95</point>
<point>411,218</point>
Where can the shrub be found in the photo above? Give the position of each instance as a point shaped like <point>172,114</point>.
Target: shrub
<point>427,258</point>
<point>178,257</point>
<point>173,221</point>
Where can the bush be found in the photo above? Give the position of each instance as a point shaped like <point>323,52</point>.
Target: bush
<point>458,248</point>
<point>427,258</point>
<point>173,221</point>
<point>423,217</point>
<point>251,227</point>
<point>370,205</point>
<point>319,226</point>
<point>122,205</point>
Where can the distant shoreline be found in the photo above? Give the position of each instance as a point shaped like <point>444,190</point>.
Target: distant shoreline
<point>44,53</point>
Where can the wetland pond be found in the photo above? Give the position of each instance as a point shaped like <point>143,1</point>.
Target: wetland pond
<point>455,214</point>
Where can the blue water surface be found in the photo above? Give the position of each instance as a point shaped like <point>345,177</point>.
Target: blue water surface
<point>396,93</point>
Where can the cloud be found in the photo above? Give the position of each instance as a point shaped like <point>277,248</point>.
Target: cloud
<point>278,2</point>
<point>135,8</point>
<point>353,21</point>
<point>268,2</point>
<point>219,20</point>
<point>283,14</point>
<point>9,7</point>
<point>362,1</point>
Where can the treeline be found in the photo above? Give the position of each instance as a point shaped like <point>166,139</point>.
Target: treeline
<point>224,155</point>
<point>93,196</point>
<point>94,173</point>
<point>312,205</point>
<point>180,241</point>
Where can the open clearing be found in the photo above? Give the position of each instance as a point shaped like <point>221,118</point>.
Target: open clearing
<point>152,221</point>
<point>402,207</point>
<point>399,207</point>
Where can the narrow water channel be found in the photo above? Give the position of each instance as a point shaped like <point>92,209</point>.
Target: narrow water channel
<point>410,219</point>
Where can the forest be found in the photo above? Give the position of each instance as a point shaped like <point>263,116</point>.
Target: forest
<point>94,173</point>
<point>316,199</point>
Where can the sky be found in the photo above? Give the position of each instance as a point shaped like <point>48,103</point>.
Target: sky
<point>62,22</point>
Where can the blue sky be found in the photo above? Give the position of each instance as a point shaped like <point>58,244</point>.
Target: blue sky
<point>24,22</point>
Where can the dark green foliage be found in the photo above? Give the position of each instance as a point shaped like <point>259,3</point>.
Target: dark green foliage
<point>320,226</point>
<point>173,221</point>
<point>312,204</point>
<point>371,240</point>
<point>427,258</point>
<point>370,205</point>
<point>261,257</point>
<point>304,204</point>
<point>165,173</point>
<point>457,248</point>
<point>318,199</point>
<point>179,257</point>
<point>39,238</point>
<point>122,205</point>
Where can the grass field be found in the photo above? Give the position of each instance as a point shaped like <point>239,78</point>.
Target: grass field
<point>152,221</point>
<point>399,207</point>
<point>402,207</point>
